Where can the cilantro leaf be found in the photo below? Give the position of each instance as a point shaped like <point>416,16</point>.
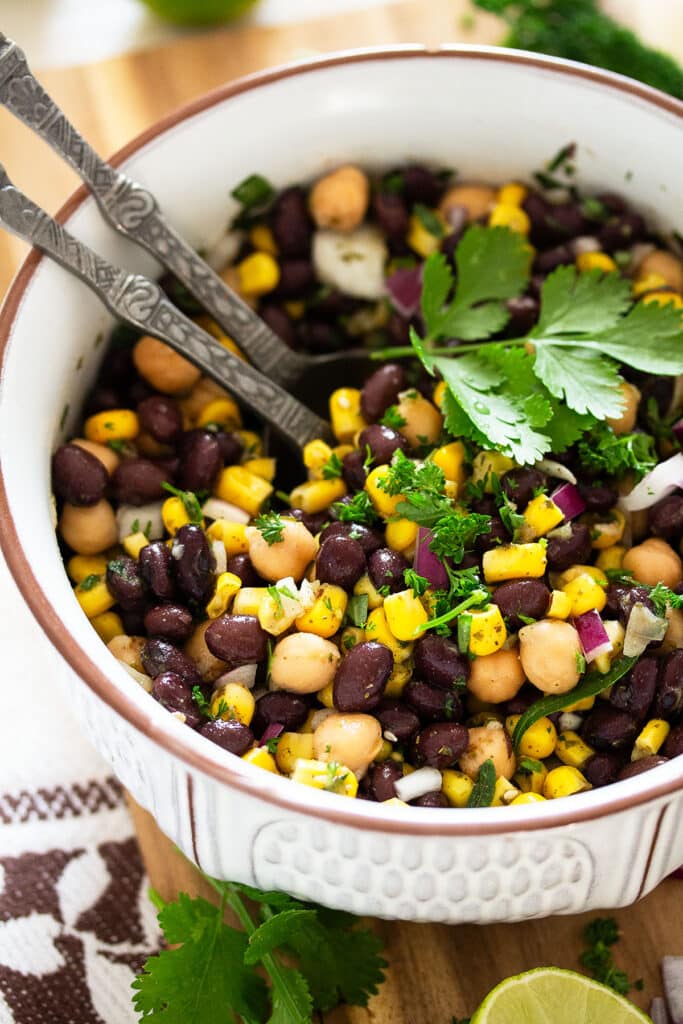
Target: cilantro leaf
<point>603,452</point>
<point>566,426</point>
<point>586,381</point>
<point>649,338</point>
<point>276,931</point>
<point>338,961</point>
<point>600,935</point>
<point>357,610</point>
<point>483,789</point>
<point>580,303</point>
<point>292,1003</point>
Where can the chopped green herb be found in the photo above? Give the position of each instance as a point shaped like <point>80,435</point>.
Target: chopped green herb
<point>429,220</point>
<point>277,598</point>
<point>483,789</point>
<point>414,581</point>
<point>599,936</point>
<point>271,527</point>
<point>203,705</point>
<point>189,500</point>
<point>357,610</point>
<point>594,209</point>
<point>393,419</point>
<point>662,598</point>
<point>580,662</point>
<point>272,744</point>
<point>328,604</point>
<point>393,183</point>
<point>117,445</point>
<point>529,765</point>
<point>333,468</point>
<point>89,582</point>
<point>359,510</point>
<point>254,191</point>
<point>612,455</point>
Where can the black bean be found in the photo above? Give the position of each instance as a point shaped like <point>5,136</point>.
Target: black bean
<point>522,700</point>
<point>237,639</point>
<point>171,621</point>
<point>665,519</point>
<point>133,620</point>
<point>381,779</point>
<point>117,366</point>
<point>382,442</point>
<point>622,598</point>
<point>497,534</point>
<point>341,561</point>
<point>523,313</point>
<point>229,734</point>
<point>398,329</point>
<point>673,745</point>
<point>138,482</point>
<point>332,304</point>
<point>527,597</point>
<point>441,744</point>
<point>519,485</point>
<point>161,417</point>
<point>318,336</point>
<point>361,677</point>
<point>101,398</point>
<point>602,769</point>
<point>397,719</point>
<point>434,799</point>
<point>420,185</point>
<point>381,390</point>
<point>668,702</point>
<point>78,476</point>
<point>573,550</point>
<point>553,258</point>
<point>195,566</point>
<point>168,464</point>
<point>291,224</point>
<point>432,703</point>
<point>201,460</point>
<point>125,582</point>
<point>386,568</point>
<point>439,662</point>
<point>354,471</point>
<point>161,656</point>
<point>621,231</point>
<point>174,694</point>
<point>279,322</point>
<point>598,498</point>
<point>155,568</point>
<point>370,540</point>
<point>613,201</point>
<point>279,708</point>
<point>241,566</point>
<point>451,241</point>
<point>645,764</point>
<point>313,521</point>
<point>607,728</point>
<point>297,277</point>
<point>658,389</point>
<point>392,214</point>
<point>635,691</point>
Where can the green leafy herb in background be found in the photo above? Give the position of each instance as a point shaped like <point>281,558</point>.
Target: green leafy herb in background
<point>600,935</point>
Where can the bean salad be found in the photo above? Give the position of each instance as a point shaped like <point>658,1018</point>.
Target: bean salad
<point>473,597</point>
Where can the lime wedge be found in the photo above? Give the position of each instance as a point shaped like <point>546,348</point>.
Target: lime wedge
<point>549,995</point>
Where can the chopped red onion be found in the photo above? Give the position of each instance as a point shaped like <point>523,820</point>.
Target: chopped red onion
<point>424,780</point>
<point>272,731</point>
<point>672,977</point>
<point>556,469</point>
<point>405,288</point>
<point>659,1012</point>
<point>593,635</point>
<point>664,479</point>
<point>584,243</point>
<point>426,563</point>
<point>642,628</point>
<point>568,500</point>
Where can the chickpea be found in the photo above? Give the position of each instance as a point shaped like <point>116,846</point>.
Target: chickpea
<point>89,530</point>
<point>666,265</point>
<point>496,677</point>
<point>208,664</point>
<point>654,561</point>
<point>673,638</point>
<point>150,447</point>
<point>129,650</point>
<point>287,557</point>
<point>106,455</point>
<point>550,652</point>
<point>303,663</point>
<point>626,421</point>
<point>164,369</point>
<point>423,421</point>
<point>488,741</point>
<point>204,391</point>
<point>477,200</point>
<point>340,199</point>
<point>351,740</point>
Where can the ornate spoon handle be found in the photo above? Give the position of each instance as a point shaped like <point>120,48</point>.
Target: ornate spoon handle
<point>142,303</point>
<point>134,211</point>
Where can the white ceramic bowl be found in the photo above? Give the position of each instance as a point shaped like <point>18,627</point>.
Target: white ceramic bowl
<point>493,114</point>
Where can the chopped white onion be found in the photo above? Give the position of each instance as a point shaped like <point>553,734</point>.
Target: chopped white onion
<point>672,977</point>
<point>638,252</point>
<point>569,721</point>
<point>216,508</point>
<point>664,479</point>
<point>563,532</point>
<point>424,780</point>
<point>177,550</point>
<point>145,681</point>
<point>555,469</point>
<point>557,196</point>
<point>390,736</point>
<point>642,628</point>
<point>143,515</point>
<point>319,716</point>
<point>658,1011</point>
<point>353,263</point>
<point>224,250</point>
<point>221,556</point>
<point>245,675</point>
<point>584,243</point>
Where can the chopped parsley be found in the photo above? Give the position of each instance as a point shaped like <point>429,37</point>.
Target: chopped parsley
<point>255,191</point>
<point>414,581</point>
<point>271,527</point>
<point>189,500</point>
<point>607,454</point>
<point>359,510</point>
<point>392,418</point>
<point>89,582</point>
<point>600,935</point>
<point>357,610</point>
<point>272,744</point>
<point>333,468</point>
<point>483,789</point>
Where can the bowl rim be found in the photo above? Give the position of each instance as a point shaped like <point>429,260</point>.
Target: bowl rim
<point>436,822</point>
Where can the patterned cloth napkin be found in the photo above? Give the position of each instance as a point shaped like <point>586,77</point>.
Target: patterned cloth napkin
<point>75,921</point>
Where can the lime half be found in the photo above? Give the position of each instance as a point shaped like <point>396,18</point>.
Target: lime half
<point>549,995</point>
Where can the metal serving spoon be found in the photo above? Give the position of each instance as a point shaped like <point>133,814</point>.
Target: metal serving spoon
<point>134,211</point>
<point>142,303</point>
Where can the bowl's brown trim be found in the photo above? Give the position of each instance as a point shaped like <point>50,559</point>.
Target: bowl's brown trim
<point>340,811</point>
<point>653,847</point>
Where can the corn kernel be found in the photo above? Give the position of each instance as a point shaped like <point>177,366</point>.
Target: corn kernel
<point>560,606</point>
<point>385,751</point>
<point>607,530</point>
<point>515,561</point>
<point>377,628</point>
<point>262,239</point>
<point>581,705</point>
<point>242,488</point>
<point>261,467</point>
<point>134,543</point>
<point>398,680</point>
<point>79,567</point>
<point>401,534</point>
<point>487,632</point>
<point>248,600</point>
<point>585,594</point>
<point>572,750</point>
<point>385,504</point>
<point>439,394</point>
<point>648,283</point>
<point>290,747</point>
<point>451,459</point>
<point>315,495</point>
<point>326,615</point>
<point>233,703</point>
<point>351,636</point>
<point>233,535</point>
<point>527,798</point>
<point>112,425</point>
<point>316,455</point>
<point>326,696</point>
<point>456,787</point>
<point>212,328</point>
<point>420,239</point>
<point>508,216</point>
<point>616,633</point>
<point>512,194</point>
<point>328,775</point>
<point>595,261</point>
<point>260,757</point>
<point>223,412</point>
<point>486,463</point>
<point>564,781</point>
<point>650,739</point>
<point>345,414</point>
<point>539,739</point>
<point>405,614</point>
<point>573,571</point>
<point>107,625</point>
<point>227,586</point>
<point>365,586</point>
<point>540,516</point>
<point>96,598</point>
<point>174,515</point>
<point>504,792</point>
<point>611,558</point>
<point>531,781</point>
<point>252,443</point>
<point>258,274</point>
<point>665,299</point>
<point>273,616</point>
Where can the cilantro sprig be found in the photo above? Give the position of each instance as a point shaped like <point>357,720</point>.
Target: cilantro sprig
<point>600,935</point>
<point>271,527</point>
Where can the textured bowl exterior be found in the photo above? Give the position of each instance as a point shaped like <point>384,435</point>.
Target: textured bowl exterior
<point>493,115</point>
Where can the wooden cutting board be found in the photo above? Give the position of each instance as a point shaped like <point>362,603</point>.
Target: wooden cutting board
<point>435,971</point>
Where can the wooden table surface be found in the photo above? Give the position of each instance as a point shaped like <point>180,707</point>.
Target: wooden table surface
<point>436,971</point>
